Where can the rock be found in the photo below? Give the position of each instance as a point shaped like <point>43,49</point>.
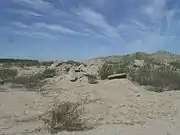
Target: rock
<point>65,67</point>
<point>55,64</point>
<point>86,74</point>
<point>74,78</point>
<point>72,75</point>
<point>117,76</point>
<point>77,70</point>
<point>81,68</point>
<point>138,63</point>
<point>92,79</point>
<point>138,95</point>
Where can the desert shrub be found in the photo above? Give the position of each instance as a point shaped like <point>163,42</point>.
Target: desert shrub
<point>92,79</point>
<point>35,80</point>
<point>105,70</point>
<point>162,78</point>
<point>109,68</point>
<point>7,65</point>
<point>175,64</point>
<point>6,73</point>
<point>46,63</point>
<point>49,73</point>
<point>140,56</point>
<point>19,62</point>
<point>32,81</point>
<point>66,116</point>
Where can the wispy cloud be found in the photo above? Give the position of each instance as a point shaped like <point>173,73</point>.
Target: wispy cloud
<point>20,25</point>
<point>97,20</point>
<point>156,32</point>
<point>93,33</point>
<point>26,13</point>
<point>129,25</point>
<point>46,8</point>
<point>35,4</point>
<point>56,28</point>
<point>155,9</point>
<point>41,35</point>
<point>40,28</point>
<point>98,3</point>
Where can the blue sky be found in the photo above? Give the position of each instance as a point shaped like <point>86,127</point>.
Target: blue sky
<point>83,29</point>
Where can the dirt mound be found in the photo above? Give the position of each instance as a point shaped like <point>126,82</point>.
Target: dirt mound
<point>115,106</point>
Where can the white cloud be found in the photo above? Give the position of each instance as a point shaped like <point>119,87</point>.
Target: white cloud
<point>92,33</point>
<point>40,35</point>
<point>26,13</point>
<point>49,28</point>
<point>36,4</point>
<point>20,25</point>
<point>44,7</point>
<point>98,20</point>
<point>57,28</point>
<point>138,23</point>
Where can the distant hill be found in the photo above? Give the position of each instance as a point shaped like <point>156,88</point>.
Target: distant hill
<point>160,55</point>
<point>24,62</point>
<point>6,60</point>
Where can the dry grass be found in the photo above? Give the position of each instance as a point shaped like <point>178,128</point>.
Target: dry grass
<point>66,116</point>
<point>7,73</point>
<point>62,116</point>
<point>161,76</point>
<point>29,82</point>
<point>49,73</point>
<point>36,80</point>
<point>175,64</point>
<point>92,79</point>
<point>110,68</point>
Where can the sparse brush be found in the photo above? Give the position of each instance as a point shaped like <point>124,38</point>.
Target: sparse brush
<point>110,68</point>
<point>175,64</point>
<point>49,73</point>
<point>32,81</point>
<point>105,71</point>
<point>46,63</point>
<point>35,80</point>
<point>162,78</point>
<point>92,79</point>
<point>7,65</point>
<point>66,116</point>
<point>6,73</point>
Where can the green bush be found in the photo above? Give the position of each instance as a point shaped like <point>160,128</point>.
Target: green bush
<point>6,73</point>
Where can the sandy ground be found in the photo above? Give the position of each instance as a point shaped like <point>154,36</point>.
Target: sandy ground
<point>120,108</point>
